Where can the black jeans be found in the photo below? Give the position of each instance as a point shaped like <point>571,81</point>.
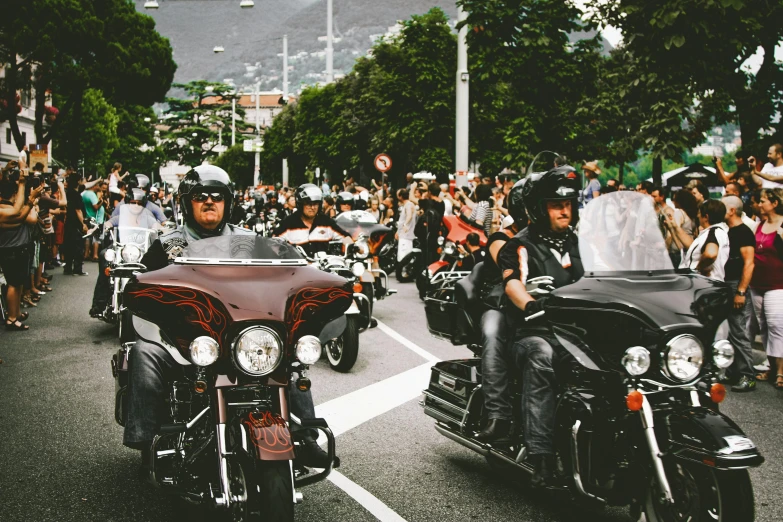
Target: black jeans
<point>533,358</point>
<point>494,369</point>
<point>149,369</point>
<point>101,295</point>
<point>73,252</point>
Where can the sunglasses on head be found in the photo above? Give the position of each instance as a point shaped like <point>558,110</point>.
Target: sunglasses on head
<point>201,197</point>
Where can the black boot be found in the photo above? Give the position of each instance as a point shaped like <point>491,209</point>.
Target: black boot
<point>146,457</point>
<point>497,431</point>
<point>543,470</point>
<point>311,455</point>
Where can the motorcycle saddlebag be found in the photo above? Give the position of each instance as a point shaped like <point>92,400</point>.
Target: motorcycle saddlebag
<point>441,310</point>
<point>455,380</point>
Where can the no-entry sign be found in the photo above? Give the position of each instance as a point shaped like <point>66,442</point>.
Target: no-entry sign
<point>383,162</point>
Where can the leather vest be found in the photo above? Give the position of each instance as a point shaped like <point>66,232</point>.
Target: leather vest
<point>542,261</point>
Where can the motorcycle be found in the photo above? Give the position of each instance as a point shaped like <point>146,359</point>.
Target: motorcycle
<point>266,223</point>
<point>637,418</point>
<point>227,445</point>
<point>449,267</point>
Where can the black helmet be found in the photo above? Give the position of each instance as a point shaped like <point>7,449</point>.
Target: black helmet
<point>308,193</point>
<point>214,179</point>
<point>345,198</point>
<point>516,203</point>
<point>558,184</point>
<point>141,181</point>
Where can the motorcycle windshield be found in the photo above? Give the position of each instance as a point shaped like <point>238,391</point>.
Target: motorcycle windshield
<point>137,225</point>
<point>241,250</point>
<point>360,216</point>
<point>621,232</point>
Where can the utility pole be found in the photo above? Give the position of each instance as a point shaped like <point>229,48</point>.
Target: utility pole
<point>285,99</point>
<point>257,170</point>
<point>329,44</point>
<point>463,104</point>
<point>234,119</point>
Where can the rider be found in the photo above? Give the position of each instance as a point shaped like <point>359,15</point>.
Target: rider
<point>142,181</point>
<point>548,247</point>
<point>307,226</point>
<point>345,202</point>
<point>205,196</point>
<point>495,329</point>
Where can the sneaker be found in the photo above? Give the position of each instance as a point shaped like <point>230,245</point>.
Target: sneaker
<point>82,273</point>
<point>96,313</point>
<point>745,384</point>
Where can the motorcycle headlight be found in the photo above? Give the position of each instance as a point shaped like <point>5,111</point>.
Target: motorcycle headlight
<point>308,349</point>
<point>722,353</point>
<point>441,240</point>
<point>259,227</point>
<point>636,360</point>
<point>258,351</point>
<point>361,249</point>
<point>204,351</point>
<point>110,255</point>
<point>449,249</point>
<point>358,269</point>
<point>131,253</point>
<point>684,358</point>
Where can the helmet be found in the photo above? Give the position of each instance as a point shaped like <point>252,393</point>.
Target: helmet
<point>345,198</point>
<point>216,180</point>
<point>516,203</point>
<point>136,194</point>
<point>308,193</point>
<point>141,181</point>
<point>558,184</point>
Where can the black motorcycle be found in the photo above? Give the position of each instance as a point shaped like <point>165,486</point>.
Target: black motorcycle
<point>637,420</point>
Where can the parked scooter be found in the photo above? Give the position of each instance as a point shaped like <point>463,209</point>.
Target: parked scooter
<point>636,361</point>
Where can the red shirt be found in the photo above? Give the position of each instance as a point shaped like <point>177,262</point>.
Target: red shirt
<point>768,272</point>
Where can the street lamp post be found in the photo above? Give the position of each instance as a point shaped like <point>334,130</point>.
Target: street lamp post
<point>463,104</point>
<point>329,44</point>
<point>285,98</point>
<point>257,169</point>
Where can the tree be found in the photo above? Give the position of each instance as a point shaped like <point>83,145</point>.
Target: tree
<point>93,139</point>
<point>139,150</point>
<point>239,165</point>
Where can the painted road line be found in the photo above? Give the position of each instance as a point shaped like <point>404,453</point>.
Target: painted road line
<point>407,343</point>
<point>367,500</point>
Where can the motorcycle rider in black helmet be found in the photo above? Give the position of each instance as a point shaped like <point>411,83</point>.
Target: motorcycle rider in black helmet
<point>345,202</point>
<point>141,182</point>
<point>307,226</point>
<point>547,247</point>
<point>206,196</point>
<point>495,329</point>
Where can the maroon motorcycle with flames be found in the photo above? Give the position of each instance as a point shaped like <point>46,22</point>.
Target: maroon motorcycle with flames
<point>242,315</point>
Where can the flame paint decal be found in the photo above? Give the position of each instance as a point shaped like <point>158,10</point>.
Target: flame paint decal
<point>197,308</point>
<point>270,436</point>
<point>307,301</point>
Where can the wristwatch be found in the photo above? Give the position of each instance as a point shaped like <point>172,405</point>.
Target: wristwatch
<point>741,293</point>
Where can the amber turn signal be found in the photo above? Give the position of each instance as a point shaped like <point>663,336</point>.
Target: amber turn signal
<point>717,392</point>
<point>199,386</point>
<point>107,271</point>
<point>303,384</point>
<point>357,288</point>
<point>634,400</point>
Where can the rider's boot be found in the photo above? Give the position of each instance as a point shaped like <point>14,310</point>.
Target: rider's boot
<point>311,455</point>
<point>373,322</point>
<point>543,470</point>
<point>497,431</point>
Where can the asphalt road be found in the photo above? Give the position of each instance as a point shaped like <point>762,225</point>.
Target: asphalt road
<point>61,456</point>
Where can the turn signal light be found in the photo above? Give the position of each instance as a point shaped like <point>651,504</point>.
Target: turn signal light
<point>199,386</point>
<point>440,250</point>
<point>717,392</point>
<point>634,400</point>
<point>303,384</point>
<point>107,271</point>
<point>357,288</point>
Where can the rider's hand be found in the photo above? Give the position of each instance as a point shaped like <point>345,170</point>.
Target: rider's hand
<point>533,307</point>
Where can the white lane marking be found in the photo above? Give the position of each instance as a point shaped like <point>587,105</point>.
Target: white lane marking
<point>367,500</point>
<point>406,343</point>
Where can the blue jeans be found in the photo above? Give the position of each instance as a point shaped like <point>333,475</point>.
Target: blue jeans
<point>494,370</point>
<point>738,337</point>
<point>533,358</point>
<point>150,368</point>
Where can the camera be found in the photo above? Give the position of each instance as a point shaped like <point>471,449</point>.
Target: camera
<point>34,182</point>
<point>13,175</point>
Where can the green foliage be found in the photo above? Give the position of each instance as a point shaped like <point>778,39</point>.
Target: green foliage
<point>239,165</point>
<point>92,138</point>
<point>138,151</point>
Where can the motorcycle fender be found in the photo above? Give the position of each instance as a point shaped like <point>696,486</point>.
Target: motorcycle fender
<point>265,435</point>
<point>437,265</point>
<point>707,437</point>
<point>334,329</point>
<point>353,309</point>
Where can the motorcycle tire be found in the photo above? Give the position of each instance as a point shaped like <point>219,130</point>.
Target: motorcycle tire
<point>702,494</point>
<point>343,351</point>
<point>406,269</point>
<point>369,292</point>
<point>268,487</point>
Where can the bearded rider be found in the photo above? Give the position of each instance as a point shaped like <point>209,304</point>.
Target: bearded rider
<point>548,247</point>
<point>206,197</point>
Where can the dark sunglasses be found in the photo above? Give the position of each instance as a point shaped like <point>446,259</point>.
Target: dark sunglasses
<point>201,197</point>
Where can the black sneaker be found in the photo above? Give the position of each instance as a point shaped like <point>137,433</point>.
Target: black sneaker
<point>81,273</point>
<point>745,384</point>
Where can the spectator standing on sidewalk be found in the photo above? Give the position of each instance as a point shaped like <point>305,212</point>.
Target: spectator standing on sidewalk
<point>739,271</point>
<point>767,283</point>
<point>93,199</point>
<point>772,173</point>
<point>75,226</point>
<point>710,250</point>
<point>406,225</point>
<point>593,186</point>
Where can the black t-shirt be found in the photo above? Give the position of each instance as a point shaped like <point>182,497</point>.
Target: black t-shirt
<point>75,203</point>
<point>739,237</point>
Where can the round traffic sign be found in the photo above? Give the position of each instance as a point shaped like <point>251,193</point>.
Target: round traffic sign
<point>383,162</point>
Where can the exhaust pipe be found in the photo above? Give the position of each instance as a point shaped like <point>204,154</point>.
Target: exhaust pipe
<point>485,449</point>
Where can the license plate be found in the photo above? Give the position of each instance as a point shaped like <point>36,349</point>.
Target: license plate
<point>739,443</point>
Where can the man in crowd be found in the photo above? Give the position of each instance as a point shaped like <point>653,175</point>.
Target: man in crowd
<point>75,226</point>
<point>406,225</point>
<point>93,199</point>
<point>772,173</point>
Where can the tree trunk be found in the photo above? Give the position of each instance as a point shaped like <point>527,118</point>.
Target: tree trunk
<point>621,173</point>
<point>657,172</point>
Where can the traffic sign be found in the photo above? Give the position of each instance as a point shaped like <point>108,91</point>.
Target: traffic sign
<point>253,145</point>
<point>383,162</point>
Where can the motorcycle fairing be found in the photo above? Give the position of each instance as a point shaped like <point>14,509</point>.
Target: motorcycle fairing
<point>458,230</point>
<point>437,265</point>
<point>269,436</point>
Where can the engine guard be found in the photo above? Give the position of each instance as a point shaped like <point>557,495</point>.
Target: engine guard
<point>707,437</point>
<point>266,436</point>
<point>321,425</point>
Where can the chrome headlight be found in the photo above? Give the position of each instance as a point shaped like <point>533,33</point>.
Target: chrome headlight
<point>361,249</point>
<point>358,269</point>
<point>450,249</point>
<point>204,351</point>
<point>636,360</point>
<point>722,353</point>
<point>258,350</point>
<point>131,254</point>
<point>110,255</point>
<point>308,349</point>
<point>684,358</point>
<point>259,227</point>
<point>441,240</point>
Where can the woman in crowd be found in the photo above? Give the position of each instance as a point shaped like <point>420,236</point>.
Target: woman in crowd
<point>767,284</point>
<point>683,220</point>
<point>374,209</point>
<point>482,213</point>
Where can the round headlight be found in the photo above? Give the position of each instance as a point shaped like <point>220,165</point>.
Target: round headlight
<point>258,351</point>
<point>259,227</point>
<point>110,255</point>
<point>131,253</point>
<point>361,249</point>
<point>636,360</point>
<point>449,249</point>
<point>684,358</point>
<point>441,240</point>
<point>722,353</point>
<point>308,349</point>
<point>358,269</point>
<point>204,351</point>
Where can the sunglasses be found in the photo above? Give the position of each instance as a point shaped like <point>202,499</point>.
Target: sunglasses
<point>201,197</point>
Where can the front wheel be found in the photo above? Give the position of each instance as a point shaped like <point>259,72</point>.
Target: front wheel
<point>406,269</point>
<point>265,490</point>
<point>702,494</point>
<point>343,351</point>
